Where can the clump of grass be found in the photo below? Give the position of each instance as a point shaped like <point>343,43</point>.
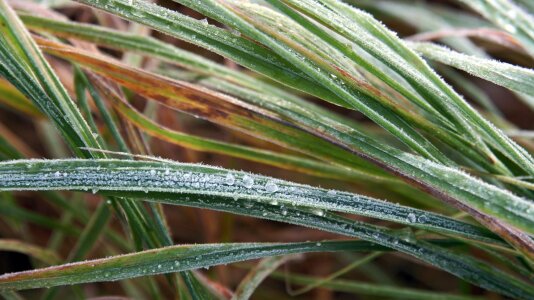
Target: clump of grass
<point>282,81</point>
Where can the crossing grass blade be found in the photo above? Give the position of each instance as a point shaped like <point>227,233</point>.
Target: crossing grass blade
<point>508,16</point>
<point>375,290</point>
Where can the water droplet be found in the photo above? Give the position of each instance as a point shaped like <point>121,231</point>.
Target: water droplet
<point>318,212</point>
<point>159,266</point>
<point>153,172</point>
<point>284,212</point>
<point>248,182</point>
<point>271,187</point>
<point>412,218</point>
<point>94,190</point>
<point>204,21</point>
<point>230,179</point>
<point>331,193</point>
<point>422,219</point>
<point>57,174</point>
<point>318,244</point>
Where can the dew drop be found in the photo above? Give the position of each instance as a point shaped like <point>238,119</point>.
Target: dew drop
<point>271,187</point>
<point>153,172</point>
<point>248,182</point>
<point>331,193</point>
<point>318,212</point>
<point>230,179</point>
<point>412,218</point>
<point>422,219</point>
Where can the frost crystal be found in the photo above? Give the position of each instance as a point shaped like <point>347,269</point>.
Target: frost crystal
<point>248,182</point>
<point>271,187</point>
<point>230,179</point>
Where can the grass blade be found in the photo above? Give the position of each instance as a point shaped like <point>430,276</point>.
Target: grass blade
<point>512,77</point>
<point>268,201</point>
<point>164,260</point>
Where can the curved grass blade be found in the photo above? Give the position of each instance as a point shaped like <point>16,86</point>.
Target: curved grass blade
<point>509,17</point>
<point>116,175</point>
<point>165,260</point>
<point>351,266</point>
<point>264,199</point>
<point>46,256</point>
<point>426,17</point>
<point>12,98</point>
<point>250,283</point>
<point>371,289</point>
<point>512,77</point>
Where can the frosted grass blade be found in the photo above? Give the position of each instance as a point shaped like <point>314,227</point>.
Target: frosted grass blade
<point>265,199</point>
<point>512,77</point>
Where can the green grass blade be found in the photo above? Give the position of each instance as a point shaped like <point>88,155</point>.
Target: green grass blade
<point>164,260</point>
<point>512,77</point>
<point>372,289</point>
<point>508,16</point>
<point>262,270</point>
<point>211,181</point>
<point>46,256</point>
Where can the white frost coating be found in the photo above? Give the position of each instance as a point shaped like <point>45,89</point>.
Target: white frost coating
<point>412,218</point>
<point>172,177</point>
<point>510,76</point>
